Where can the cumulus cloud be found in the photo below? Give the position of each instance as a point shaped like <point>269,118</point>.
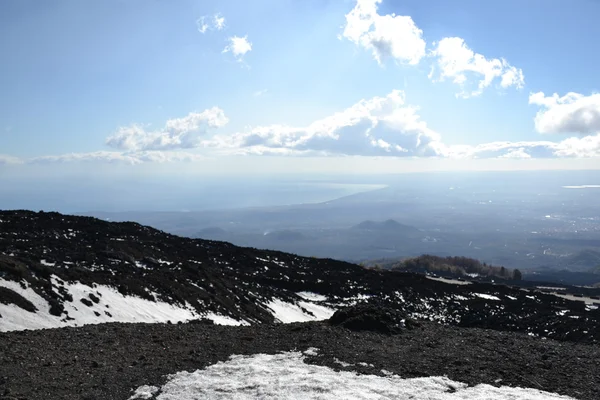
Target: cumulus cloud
<point>178,133</point>
<point>386,36</point>
<point>210,22</point>
<point>454,60</point>
<point>378,126</point>
<point>238,46</point>
<point>385,126</point>
<point>399,38</point>
<point>588,146</point>
<point>571,113</point>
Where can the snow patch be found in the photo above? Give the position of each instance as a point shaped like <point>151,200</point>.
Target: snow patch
<point>112,306</point>
<point>144,392</point>
<point>448,281</point>
<point>286,376</point>
<point>487,296</point>
<point>288,312</point>
<point>312,296</point>
<point>224,320</point>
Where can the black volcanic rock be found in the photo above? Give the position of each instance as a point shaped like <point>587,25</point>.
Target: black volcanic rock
<point>45,251</point>
<point>370,317</point>
<point>108,361</point>
<point>9,296</point>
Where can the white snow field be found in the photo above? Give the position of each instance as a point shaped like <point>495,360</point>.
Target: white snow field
<point>112,307</point>
<point>286,376</point>
<point>115,307</point>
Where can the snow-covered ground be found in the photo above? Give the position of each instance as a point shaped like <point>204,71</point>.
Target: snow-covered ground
<point>111,306</point>
<point>447,280</point>
<point>286,376</point>
<point>487,296</point>
<point>586,300</point>
<point>312,296</point>
<point>287,312</point>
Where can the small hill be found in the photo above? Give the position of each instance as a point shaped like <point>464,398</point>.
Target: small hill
<point>455,266</point>
<point>584,259</point>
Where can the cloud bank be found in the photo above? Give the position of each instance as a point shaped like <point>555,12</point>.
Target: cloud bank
<point>386,126</point>
<point>114,157</point>
<point>380,126</point>
<point>373,127</point>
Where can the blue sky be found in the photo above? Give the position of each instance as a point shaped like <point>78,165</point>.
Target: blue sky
<point>298,85</point>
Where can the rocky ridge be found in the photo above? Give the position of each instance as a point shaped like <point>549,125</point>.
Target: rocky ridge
<point>75,264</point>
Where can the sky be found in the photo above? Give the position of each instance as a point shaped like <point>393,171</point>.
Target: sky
<point>233,87</point>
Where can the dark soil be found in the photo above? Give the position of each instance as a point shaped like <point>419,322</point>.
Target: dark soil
<point>108,361</point>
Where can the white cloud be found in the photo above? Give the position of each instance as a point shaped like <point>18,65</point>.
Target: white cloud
<point>385,126</point>
<point>455,60</point>
<point>378,126</point>
<point>575,147</point>
<point>571,113</point>
<point>133,158</point>
<point>218,21</point>
<point>177,133</point>
<point>386,36</point>
<point>213,22</point>
<point>398,37</point>
<point>238,46</point>
<point>97,156</point>
<point>6,159</point>
<point>519,153</point>
<point>588,146</point>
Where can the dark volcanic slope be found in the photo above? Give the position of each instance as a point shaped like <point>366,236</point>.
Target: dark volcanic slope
<point>240,282</point>
<point>107,361</point>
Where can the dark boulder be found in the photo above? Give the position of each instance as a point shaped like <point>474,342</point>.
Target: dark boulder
<point>370,317</point>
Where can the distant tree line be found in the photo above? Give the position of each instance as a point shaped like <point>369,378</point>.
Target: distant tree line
<point>453,265</point>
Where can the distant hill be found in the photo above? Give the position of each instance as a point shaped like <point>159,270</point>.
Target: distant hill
<point>457,266</point>
<point>58,271</point>
<point>584,259</point>
<point>389,225</point>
